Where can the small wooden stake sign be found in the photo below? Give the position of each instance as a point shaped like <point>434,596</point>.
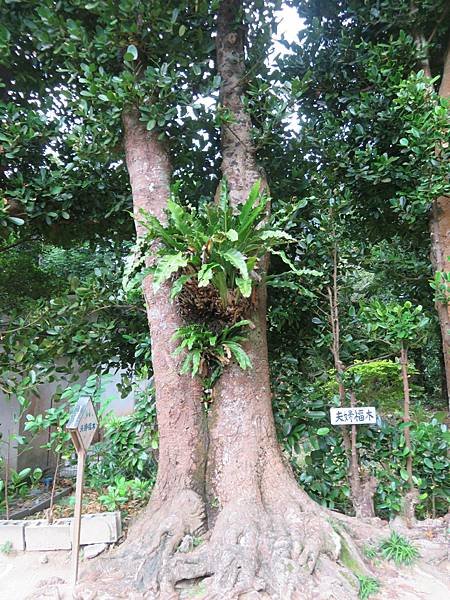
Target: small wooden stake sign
<point>82,425</point>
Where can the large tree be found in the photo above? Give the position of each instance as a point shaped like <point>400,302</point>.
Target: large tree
<point>221,476</point>
<point>101,79</point>
<point>92,71</point>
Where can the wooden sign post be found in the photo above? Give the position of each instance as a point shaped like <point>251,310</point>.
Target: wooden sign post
<point>82,425</point>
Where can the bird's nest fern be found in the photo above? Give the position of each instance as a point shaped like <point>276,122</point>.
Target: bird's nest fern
<point>212,257</point>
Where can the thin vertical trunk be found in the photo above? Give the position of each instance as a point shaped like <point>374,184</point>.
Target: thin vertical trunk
<point>440,241</point>
<point>354,464</point>
<point>406,413</point>
<point>52,493</point>
<point>333,296</point>
<point>8,443</point>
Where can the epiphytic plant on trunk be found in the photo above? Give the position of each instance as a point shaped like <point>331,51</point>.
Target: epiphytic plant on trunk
<point>217,246</point>
<point>212,259</point>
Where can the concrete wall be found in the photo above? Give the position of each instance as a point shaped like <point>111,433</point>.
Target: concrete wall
<point>11,424</point>
<point>9,413</point>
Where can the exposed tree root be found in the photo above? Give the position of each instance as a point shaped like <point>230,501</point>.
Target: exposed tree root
<point>254,551</point>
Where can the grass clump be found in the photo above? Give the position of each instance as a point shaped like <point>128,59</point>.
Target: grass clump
<point>367,587</point>
<point>6,548</point>
<point>399,550</point>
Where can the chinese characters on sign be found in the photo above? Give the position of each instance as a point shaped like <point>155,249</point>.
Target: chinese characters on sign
<point>361,415</point>
<point>83,423</point>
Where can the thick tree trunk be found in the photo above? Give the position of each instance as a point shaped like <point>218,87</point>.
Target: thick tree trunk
<point>266,534</point>
<point>182,439</point>
<point>440,241</point>
<point>235,526</point>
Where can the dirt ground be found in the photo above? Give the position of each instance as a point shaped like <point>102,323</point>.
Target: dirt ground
<point>22,574</point>
<point>46,576</point>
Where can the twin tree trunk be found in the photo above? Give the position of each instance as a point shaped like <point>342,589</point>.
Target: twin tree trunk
<point>226,517</point>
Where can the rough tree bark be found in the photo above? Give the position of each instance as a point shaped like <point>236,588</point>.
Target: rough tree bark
<point>440,240</point>
<point>227,519</point>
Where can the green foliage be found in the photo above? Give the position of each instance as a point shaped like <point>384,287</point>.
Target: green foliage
<point>19,484</point>
<point>6,547</point>
<point>217,245</point>
<point>371,154</point>
<point>54,419</point>
<point>121,491</point>
<point>376,383</point>
<point>318,456</point>
<point>397,324</point>
<point>128,445</point>
<point>399,550</point>
<point>89,325</point>
<point>370,552</point>
<point>207,353</point>
<point>441,286</point>
<point>368,586</point>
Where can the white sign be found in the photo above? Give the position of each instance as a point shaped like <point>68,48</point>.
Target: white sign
<point>359,415</point>
<point>83,423</point>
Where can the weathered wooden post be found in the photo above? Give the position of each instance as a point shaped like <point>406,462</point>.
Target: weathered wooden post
<point>82,425</point>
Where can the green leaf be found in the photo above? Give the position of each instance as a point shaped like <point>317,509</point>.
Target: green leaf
<point>178,284</point>
<point>404,474</point>
<point>238,260</point>
<point>196,357</point>
<point>186,367</point>
<point>16,220</point>
<point>232,235</point>
<point>156,230</point>
<point>285,259</point>
<point>245,286</point>
<point>239,354</point>
<point>404,142</point>
<point>323,431</point>
<point>276,234</point>
<point>180,217</point>
<point>167,265</point>
<point>181,30</point>
<point>252,209</point>
<point>131,53</point>
<point>206,273</point>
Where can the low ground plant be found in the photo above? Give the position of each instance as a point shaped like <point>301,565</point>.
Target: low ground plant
<point>399,550</point>
<point>368,586</point>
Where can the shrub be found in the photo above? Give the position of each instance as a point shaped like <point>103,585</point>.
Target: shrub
<point>378,383</point>
<point>128,446</point>
<point>318,457</point>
